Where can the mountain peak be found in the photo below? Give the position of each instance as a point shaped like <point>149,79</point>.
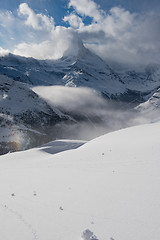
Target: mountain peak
<point>75,49</point>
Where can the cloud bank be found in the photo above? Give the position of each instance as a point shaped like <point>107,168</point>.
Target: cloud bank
<point>118,34</point>
<point>95,115</point>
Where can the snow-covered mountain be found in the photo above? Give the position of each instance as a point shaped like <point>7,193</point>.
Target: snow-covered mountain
<point>150,109</point>
<point>25,119</point>
<point>106,189</point>
<point>26,114</point>
<point>140,82</point>
<point>84,70</point>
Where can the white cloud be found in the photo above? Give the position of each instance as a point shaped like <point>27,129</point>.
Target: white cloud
<point>14,30</point>
<point>6,18</point>
<point>3,52</point>
<point>124,36</point>
<point>7,27</point>
<point>71,99</point>
<point>60,42</point>
<point>99,115</point>
<point>74,21</point>
<point>87,8</point>
<point>118,35</point>
<point>37,21</point>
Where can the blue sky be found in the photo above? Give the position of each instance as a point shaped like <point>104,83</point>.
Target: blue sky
<point>58,8</point>
<point>120,30</point>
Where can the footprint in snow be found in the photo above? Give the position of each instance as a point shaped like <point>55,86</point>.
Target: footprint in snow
<point>88,235</point>
<point>34,193</point>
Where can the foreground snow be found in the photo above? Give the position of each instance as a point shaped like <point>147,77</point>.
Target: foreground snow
<point>109,186</point>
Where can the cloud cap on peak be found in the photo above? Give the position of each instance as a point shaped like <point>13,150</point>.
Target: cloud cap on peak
<point>118,34</point>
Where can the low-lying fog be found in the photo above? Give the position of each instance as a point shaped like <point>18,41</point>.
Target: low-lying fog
<point>93,114</point>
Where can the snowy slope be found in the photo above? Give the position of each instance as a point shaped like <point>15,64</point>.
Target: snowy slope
<point>109,186</point>
<point>25,118</point>
<point>11,90</point>
<point>151,108</point>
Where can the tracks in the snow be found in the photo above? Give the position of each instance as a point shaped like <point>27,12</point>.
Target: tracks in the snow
<point>21,219</point>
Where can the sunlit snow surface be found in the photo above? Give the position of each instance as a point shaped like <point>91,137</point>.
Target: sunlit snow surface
<point>109,185</point>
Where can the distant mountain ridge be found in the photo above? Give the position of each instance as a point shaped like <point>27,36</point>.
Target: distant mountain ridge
<point>84,70</point>
<point>27,120</point>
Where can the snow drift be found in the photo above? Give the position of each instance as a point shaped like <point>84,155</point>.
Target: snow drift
<point>106,189</point>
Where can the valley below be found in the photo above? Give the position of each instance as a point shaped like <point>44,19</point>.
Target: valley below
<point>78,97</point>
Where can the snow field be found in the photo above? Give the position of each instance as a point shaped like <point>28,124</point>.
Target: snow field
<point>109,186</point>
